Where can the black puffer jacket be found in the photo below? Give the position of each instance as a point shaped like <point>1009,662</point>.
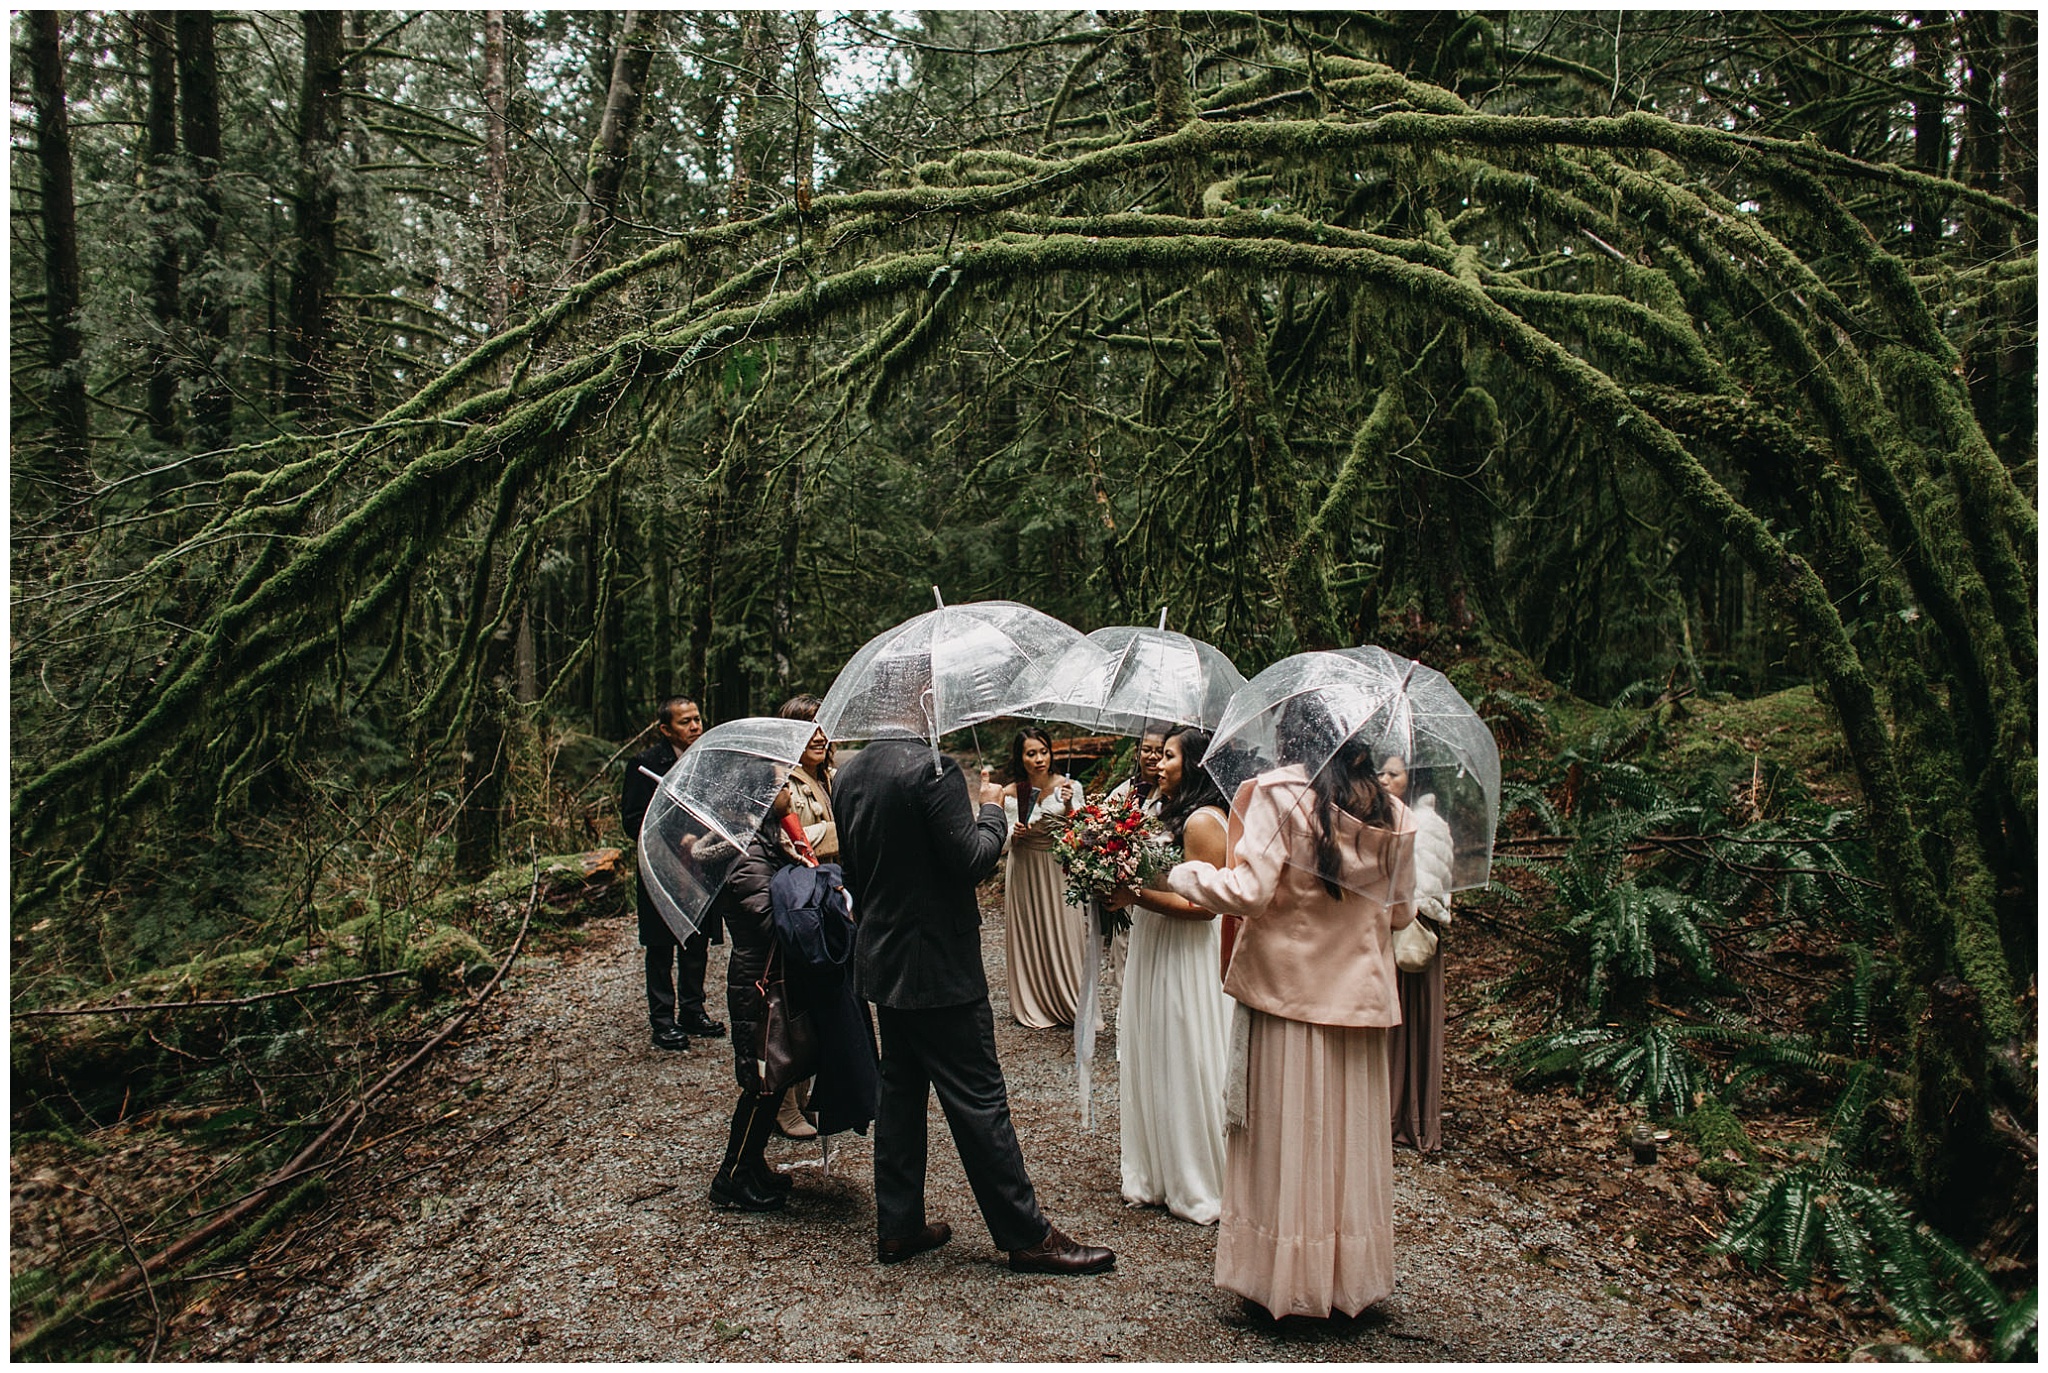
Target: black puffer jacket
<point>748,913</point>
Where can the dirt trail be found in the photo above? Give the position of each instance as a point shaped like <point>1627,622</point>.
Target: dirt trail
<point>561,1215</point>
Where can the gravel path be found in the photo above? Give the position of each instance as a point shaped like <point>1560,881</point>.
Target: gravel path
<point>561,1215</point>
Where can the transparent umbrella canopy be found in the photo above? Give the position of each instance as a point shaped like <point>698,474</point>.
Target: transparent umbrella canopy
<point>943,670</point>
<point>1133,679</point>
<point>707,807</point>
<point>1164,678</point>
<point>1302,710</point>
<point>1071,687</point>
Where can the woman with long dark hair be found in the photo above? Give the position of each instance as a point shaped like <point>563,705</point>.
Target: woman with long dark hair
<point>1322,874</point>
<point>1173,1030</point>
<point>1045,940</point>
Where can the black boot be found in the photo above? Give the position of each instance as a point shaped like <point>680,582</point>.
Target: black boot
<point>767,1178</point>
<point>735,1185</point>
<point>753,1158</point>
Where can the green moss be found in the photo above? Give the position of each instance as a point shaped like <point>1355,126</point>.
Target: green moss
<point>447,958</point>
<point>228,975</point>
<point>1792,728</point>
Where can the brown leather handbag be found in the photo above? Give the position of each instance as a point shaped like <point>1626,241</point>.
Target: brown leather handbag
<point>785,1040</point>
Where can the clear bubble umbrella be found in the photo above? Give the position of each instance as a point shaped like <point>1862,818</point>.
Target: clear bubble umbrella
<point>1302,710</point>
<point>1133,679</point>
<point>707,807</point>
<point>1070,687</point>
<point>943,670</point>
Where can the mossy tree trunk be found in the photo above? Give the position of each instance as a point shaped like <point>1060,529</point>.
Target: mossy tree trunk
<point>68,473</point>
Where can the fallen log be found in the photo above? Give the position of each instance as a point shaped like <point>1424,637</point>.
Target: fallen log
<point>296,1170</point>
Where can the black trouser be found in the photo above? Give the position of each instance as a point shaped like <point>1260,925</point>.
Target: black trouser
<point>675,978</point>
<point>951,1050</point>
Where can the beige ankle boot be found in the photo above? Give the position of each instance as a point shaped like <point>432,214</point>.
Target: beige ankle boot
<point>790,1122</point>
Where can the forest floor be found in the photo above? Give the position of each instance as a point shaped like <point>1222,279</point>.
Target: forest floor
<point>551,1206</point>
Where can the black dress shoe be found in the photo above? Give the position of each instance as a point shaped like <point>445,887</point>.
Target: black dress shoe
<point>740,1192</point>
<point>700,1025</point>
<point>670,1037</point>
<point>931,1237</point>
<point>1061,1256</point>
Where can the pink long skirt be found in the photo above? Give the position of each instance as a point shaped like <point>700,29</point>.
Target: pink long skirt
<point>1308,1184</point>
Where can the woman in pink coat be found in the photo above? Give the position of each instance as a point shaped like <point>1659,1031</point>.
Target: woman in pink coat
<point>1322,876</point>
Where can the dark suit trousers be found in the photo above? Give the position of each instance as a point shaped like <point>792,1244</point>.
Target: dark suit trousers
<point>675,974</point>
<point>951,1050</point>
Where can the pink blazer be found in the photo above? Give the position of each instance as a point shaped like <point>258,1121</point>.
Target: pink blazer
<point>1301,954</point>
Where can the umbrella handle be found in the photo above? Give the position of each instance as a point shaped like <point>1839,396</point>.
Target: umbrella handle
<point>927,701</point>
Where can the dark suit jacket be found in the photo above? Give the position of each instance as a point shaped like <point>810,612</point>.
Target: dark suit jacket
<point>914,846</point>
<point>636,793</point>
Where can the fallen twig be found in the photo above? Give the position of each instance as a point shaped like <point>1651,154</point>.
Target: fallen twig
<point>279,1179</point>
<point>142,1008</point>
<point>156,1309</point>
<point>349,1119</point>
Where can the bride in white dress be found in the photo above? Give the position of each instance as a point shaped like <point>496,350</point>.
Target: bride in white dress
<point>1173,1031</point>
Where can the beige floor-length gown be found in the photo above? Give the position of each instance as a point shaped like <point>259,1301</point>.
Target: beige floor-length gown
<point>1045,940</point>
<point>1308,1185</point>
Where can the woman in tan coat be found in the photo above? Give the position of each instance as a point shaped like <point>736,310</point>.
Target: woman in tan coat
<point>1322,876</point>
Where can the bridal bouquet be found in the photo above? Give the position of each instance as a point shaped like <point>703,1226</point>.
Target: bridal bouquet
<point>1103,846</point>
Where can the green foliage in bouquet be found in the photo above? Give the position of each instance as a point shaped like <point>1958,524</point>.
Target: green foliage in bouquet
<point>1102,847</point>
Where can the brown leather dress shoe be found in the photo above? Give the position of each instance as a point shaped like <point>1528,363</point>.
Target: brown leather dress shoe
<point>1058,1254</point>
<point>931,1237</point>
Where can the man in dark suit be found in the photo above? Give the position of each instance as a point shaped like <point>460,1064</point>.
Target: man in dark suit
<point>913,849</point>
<point>675,969</point>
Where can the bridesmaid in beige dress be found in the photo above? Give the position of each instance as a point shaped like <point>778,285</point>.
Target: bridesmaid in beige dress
<point>1045,939</point>
<point>1308,1179</point>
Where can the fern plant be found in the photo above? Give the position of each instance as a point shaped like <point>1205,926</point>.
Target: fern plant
<point>1818,1210</point>
<point>1814,869</point>
<point>1516,720</point>
<point>1619,924</point>
<point>1520,796</point>
<point>1647,1064</point>
<point>1796,1060</point>
<point>1850,1012</point>
<point>2016,1338</point>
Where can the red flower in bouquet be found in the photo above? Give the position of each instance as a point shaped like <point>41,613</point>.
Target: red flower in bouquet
<point>1103,847</point>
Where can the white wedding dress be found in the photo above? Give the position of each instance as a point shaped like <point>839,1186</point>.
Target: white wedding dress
<point>1173,1049</point>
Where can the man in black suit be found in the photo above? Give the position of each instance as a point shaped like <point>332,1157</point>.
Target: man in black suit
<point>913,849</point>
<point>675,969</point>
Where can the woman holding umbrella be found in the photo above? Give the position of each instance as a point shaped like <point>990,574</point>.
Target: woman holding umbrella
<point>845,1088</point>
<point>1322,875</point>
<point>744,1180</point>
<point>714,839</point>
